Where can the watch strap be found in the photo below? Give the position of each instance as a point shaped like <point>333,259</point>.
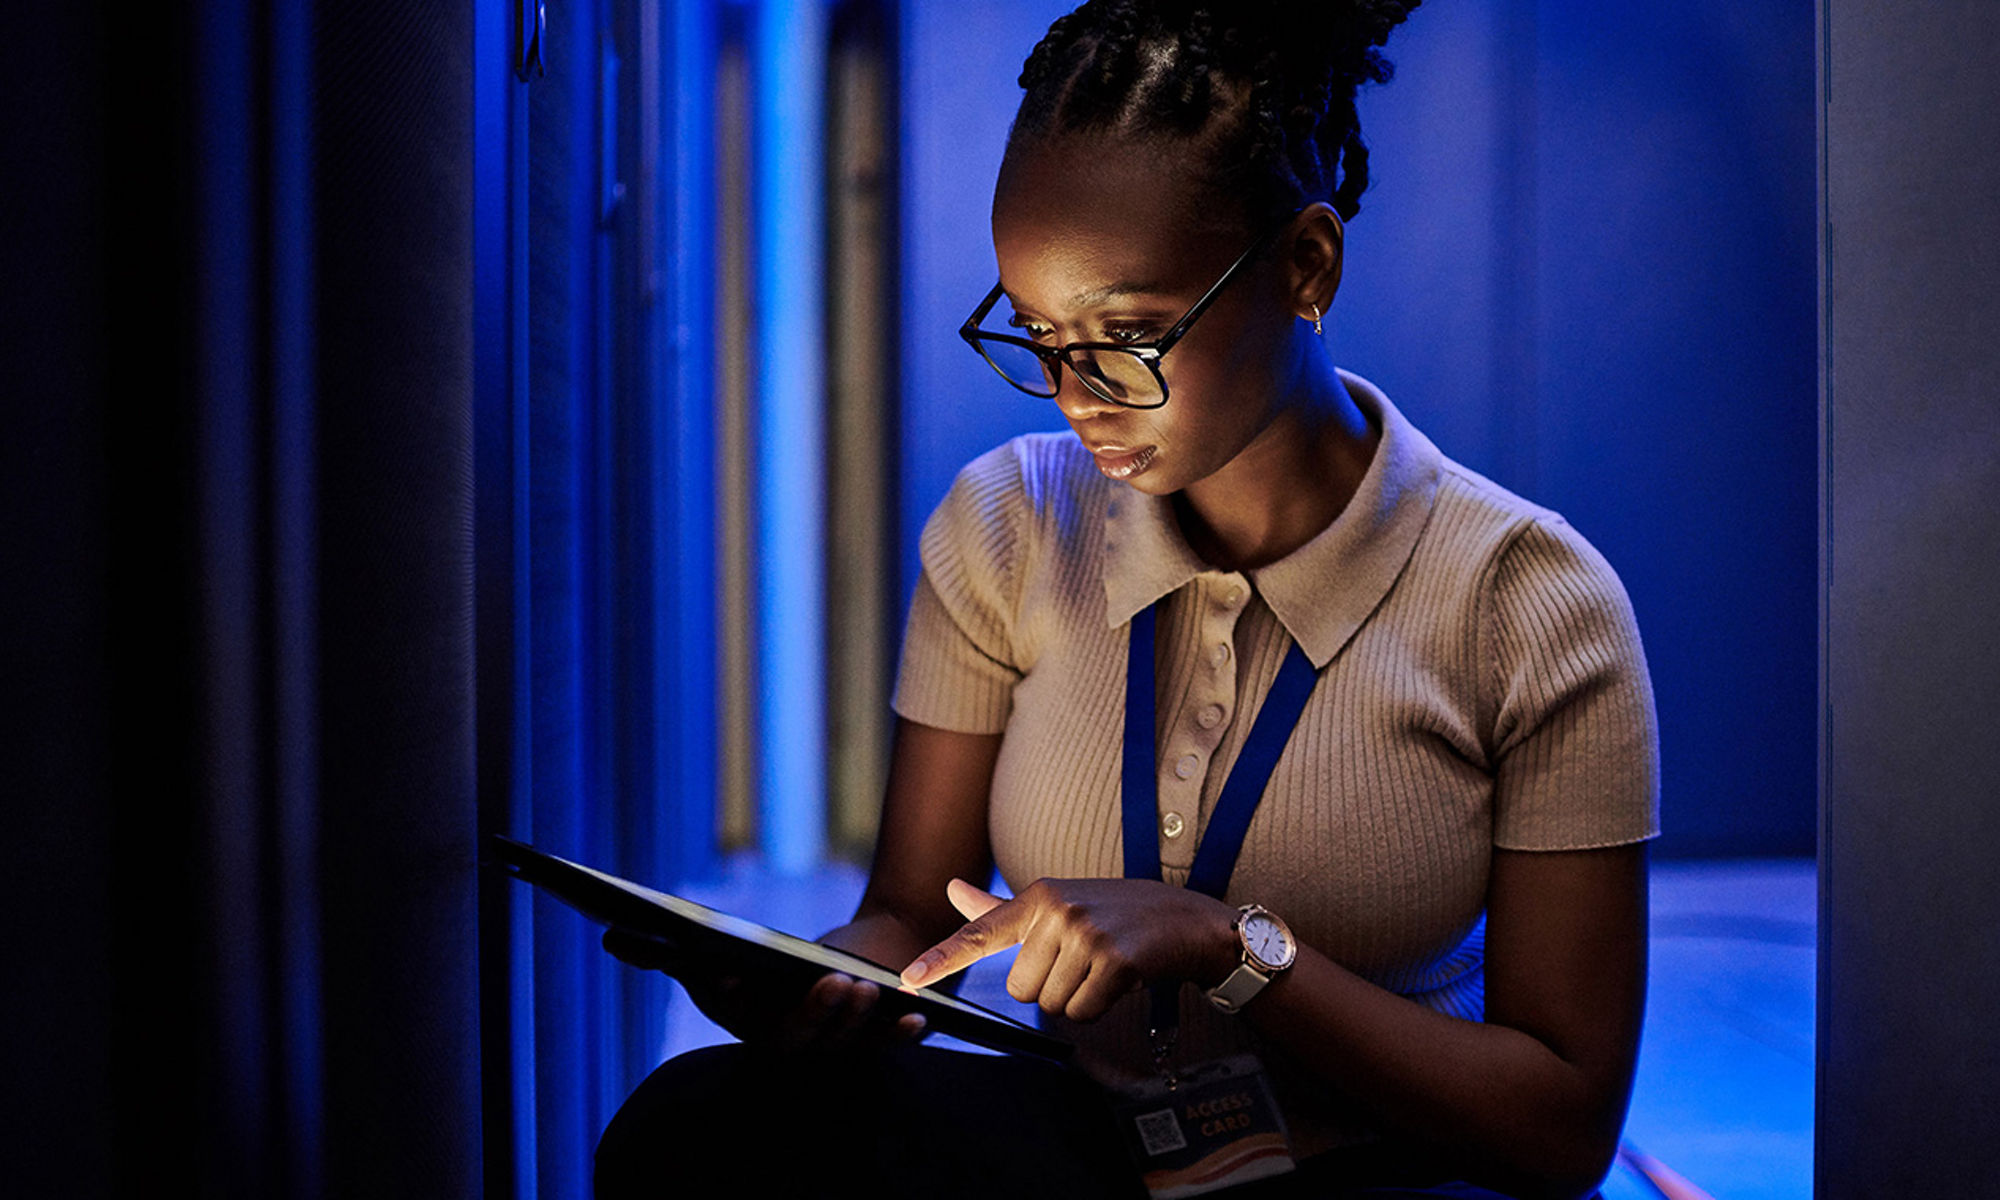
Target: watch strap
<point>1236,991</point>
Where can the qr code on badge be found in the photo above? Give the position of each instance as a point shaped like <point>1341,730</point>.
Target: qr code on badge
<point>1160,1132</point>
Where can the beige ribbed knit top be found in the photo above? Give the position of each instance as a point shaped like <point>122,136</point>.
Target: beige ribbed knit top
<point>1481,684</point>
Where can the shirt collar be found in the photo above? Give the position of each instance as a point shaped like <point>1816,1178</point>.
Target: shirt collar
<point>1323,591</point>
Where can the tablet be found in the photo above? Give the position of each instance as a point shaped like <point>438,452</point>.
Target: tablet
<point>732,941</point>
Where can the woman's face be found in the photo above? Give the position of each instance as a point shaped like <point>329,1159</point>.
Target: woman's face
<point>1100,240</point>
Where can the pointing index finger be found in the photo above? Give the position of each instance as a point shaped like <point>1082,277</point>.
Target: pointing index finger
<point>1000,928</point>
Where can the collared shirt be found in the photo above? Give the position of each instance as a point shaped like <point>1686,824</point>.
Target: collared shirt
<point>1482,684</point>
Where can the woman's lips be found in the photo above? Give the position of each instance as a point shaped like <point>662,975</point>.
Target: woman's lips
<point>1121,462</point>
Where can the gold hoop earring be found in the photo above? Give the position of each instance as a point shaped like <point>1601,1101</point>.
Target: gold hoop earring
<point>1316,329</point>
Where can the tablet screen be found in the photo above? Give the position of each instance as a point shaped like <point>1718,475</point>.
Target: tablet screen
<point>621,904</point>
<point>797,947</point>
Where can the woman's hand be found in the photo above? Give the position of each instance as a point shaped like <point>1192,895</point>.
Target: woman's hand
<point>1085,943</point>
<point>836,1012</point>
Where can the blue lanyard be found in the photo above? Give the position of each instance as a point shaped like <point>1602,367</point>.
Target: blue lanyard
<point>1222,841</point>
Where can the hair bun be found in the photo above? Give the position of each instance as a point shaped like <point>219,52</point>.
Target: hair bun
<point>1148,67</point>
<point>1340,37</point>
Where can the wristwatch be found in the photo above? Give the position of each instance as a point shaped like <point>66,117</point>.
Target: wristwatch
<point>1268,948</point>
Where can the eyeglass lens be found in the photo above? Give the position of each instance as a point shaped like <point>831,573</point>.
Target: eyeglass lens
<point>1118,377</point>
<point>1022,366</point>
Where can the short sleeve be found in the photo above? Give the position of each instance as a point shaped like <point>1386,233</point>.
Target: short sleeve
<point>1576,738</point>
<point>959,665</point>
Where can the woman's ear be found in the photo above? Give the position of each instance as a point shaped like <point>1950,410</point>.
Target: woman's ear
<point>1317,241</point>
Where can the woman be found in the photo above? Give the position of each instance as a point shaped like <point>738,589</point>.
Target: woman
<point>1384,854</point>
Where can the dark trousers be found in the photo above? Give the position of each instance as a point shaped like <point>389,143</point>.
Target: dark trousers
<point>917,1122</point>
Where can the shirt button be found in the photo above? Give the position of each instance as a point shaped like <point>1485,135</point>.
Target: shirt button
<point>1233,597</point>
<point>1171,825</point>
<point>1220,654</point>
<point>1210,717</point>
<point>1185,767</point>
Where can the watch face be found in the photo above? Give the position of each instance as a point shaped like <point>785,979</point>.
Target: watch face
<point>1268,941</point>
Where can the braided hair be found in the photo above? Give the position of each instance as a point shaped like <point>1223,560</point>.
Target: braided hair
<point>1267,87</point>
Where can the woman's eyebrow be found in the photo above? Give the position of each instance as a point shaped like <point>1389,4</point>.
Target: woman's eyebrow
<point>1098,296</point>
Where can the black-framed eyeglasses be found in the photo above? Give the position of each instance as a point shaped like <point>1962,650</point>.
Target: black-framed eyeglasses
<point>1126,374</point>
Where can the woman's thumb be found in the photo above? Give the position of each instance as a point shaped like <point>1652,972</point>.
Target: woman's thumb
<point>971,901</point>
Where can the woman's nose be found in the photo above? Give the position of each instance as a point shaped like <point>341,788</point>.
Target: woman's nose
<point>1076,401</point>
